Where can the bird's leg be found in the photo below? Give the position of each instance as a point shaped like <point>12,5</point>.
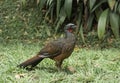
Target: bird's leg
<point>58,65</point>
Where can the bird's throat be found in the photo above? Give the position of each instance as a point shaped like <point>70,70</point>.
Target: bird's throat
<point>70,30</point>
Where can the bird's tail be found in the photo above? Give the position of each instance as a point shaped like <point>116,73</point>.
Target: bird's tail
<point>31,62</point>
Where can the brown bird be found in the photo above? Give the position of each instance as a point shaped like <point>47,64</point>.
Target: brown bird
<point>56,50</point>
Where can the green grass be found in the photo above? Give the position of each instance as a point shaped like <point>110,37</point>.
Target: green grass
<point>95,66</point>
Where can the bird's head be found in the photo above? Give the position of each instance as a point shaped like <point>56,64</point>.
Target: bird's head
<point>70,27</point>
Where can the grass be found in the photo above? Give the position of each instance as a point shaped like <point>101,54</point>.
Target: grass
<point>96,66</point>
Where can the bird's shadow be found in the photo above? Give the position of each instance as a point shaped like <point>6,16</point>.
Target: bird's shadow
<point>50,69</point>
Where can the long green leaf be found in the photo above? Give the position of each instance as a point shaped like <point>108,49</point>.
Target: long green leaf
<point>96,6</point>
<point>62,17</point>
<point>91,3</point>
<point>79,19</point>
<point>58,7</point>
<point>68,7</point>
<point>114,22</point>
<point>90,21</point>
<point>119,8</point>
<point>42,3</point>
<point>23,2</point>
<point>98,13</point>
<point>111,3</point>
<point>49,2</point>
<point>81,34</point>
<point>102,24</point>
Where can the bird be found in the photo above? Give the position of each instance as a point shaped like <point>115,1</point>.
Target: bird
<point>57,50</point>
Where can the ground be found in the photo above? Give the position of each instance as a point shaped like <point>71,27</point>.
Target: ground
<point>86,64</point>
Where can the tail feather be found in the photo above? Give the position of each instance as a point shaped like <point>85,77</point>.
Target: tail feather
<point>31,62</point>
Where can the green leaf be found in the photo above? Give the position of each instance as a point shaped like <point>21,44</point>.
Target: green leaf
<point>49,2</point>
<point>68,7</point>
<point>102,24</point>
<point>90,21</point>
<point>111,3</point>
<point>81,33</point>
<point>42,3</point>
<point>62,17</point>
<point>23,2</point>
<point>48,31</point>
<point>114,22</point>
<point>98,13</point>
<point>58,7</point>
<point>117,9</point>
<point>91,3</point>
<point>80,15</point>
<point>79,19</point>
<point>96,6</point>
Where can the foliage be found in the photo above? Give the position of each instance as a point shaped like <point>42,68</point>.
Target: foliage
<point>38,19</point>
<point>103,15</point>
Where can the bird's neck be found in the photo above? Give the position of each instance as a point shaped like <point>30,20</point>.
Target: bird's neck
<point>68,34</point>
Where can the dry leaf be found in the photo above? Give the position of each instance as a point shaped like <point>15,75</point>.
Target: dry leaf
<point>71,69</point>
<point>18,76</point>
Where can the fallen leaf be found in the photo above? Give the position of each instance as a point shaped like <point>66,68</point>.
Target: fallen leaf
<point>71,69</point>
<point>18,76</point>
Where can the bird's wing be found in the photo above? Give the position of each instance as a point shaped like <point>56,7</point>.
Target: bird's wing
<point>68,46</point>
<point>52,49</point>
